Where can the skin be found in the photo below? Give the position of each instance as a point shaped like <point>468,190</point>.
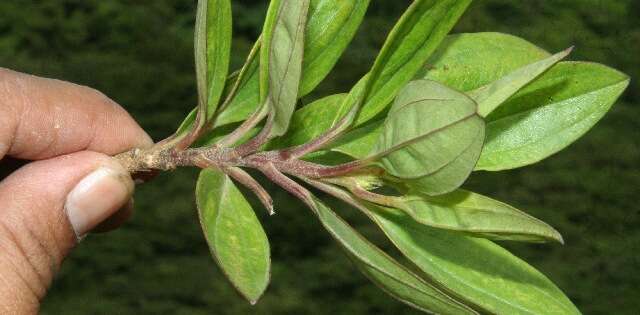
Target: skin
<point>65,131</point>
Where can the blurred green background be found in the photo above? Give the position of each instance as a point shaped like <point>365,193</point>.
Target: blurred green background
<point>140,54</point>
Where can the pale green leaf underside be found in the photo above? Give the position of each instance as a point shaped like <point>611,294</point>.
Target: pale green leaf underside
<point>549,114</point>
<point>235,236</point>
<point>490,96</point>
<point>286,48</point>
<point>455,173</point>
<point>432,134</point>
<point>384,270</point>
<point>477,271</point>
<point>477,215</point>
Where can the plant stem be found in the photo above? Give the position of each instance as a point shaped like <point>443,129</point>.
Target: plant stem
<point>286,183</point>
<point>246,180</point>
<point>245,127</point>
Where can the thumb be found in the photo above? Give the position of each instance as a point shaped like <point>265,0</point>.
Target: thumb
<point>46,207</point>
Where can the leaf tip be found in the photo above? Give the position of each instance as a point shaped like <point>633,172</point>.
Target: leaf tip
<point>560,239</point>
<point>569,50</point>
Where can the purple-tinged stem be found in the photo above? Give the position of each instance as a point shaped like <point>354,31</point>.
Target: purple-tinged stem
<point>335,192</point>
<point>361,193</point>
<point>246,180</point>
<point>252,146</point>
<point>287,184</point>
<point>322,140</point>
<point>245,127</point>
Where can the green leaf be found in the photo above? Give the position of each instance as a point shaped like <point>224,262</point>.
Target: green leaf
<point>477,271</point>
<point>285,48</point>
<point>384,271</point>
<point>212,50</point>
<point>429,133</point>
<point>235,236</point>
<point>462,61</point>
<point>359,142</point>
<point>331,26</point>
<point>247,96</point>
<point>477,215</point>
<point>490,96</point>
<point>549,114</point>
<point>409,45</point>
<point>314,118</point>
<point>468,61</point>
<point>268,30</point>
<point>454,174</point>
<point>414,38</point>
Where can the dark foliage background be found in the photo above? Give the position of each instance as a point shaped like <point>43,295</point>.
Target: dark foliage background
<point>140,53</point>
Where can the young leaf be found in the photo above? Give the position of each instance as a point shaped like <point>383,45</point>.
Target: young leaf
<point>490,96</point>
<point>477,215</point>
<point>477,271</point>
<point>468,61</point>
<point>235,236</point>
<point>212,49</point>
<point>549,114</point>
<point>385,272</point>
<point>409,45</point>
<point>429,128</point>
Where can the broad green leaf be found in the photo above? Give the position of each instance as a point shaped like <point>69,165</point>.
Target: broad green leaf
<point>235,236</point>
<point>430,131</point>
<point>490,96</point>
<point>212,50</point>
<point>286,49</point>
<point>468,61</point>
<point>453,175</point>
<point>477,271</point>
<point>411,42</point>
<point>477,215</point>
<point>384,271</point>
<point>549,114</point>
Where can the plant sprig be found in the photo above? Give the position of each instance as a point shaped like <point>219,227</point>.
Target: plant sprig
<point>397,147</point>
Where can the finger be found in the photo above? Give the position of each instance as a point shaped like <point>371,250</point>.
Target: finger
<point>46,206</point>
<point>42,118</point>
<point>115,220</point>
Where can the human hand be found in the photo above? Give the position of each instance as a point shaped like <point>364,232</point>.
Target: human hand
<point>72,186</point>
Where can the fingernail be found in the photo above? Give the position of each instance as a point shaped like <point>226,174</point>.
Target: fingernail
<point>96,197</point>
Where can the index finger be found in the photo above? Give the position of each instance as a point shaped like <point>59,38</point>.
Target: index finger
<point>42,118</point>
